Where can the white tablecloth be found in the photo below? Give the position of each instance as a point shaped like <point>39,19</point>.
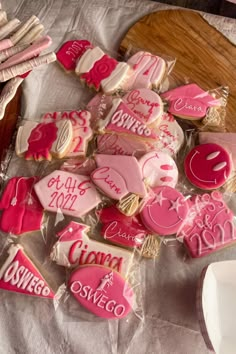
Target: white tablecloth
<point>31,325</point>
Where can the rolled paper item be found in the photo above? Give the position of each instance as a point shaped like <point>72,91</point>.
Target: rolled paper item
<point>30,52</point>
<point>3,18</point>
<point>28,65</point>
<point>5,43</point>
<point>9,52</point>
<point>32,35</point>
<point>8,28</point>
<point>8,93</point>
<point>24,29</point>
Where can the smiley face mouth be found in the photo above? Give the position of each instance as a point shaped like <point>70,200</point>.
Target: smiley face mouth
<point>191,169</point>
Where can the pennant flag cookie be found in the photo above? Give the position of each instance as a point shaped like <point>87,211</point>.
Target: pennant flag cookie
<point>19,274</point>
<point>121,120</point>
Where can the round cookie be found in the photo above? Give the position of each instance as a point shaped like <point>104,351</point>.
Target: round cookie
<point>208,166</point>
<point>158,168</point>
<point>165,212</point>
<point>146,103</point>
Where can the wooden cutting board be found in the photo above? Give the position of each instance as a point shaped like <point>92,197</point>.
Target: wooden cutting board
<point>8,123</point>
<point>203,54</point>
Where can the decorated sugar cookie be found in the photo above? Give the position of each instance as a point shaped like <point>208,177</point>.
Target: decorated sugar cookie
<point>40,141</point>
<point>20,275</point>
<point>74,248</point>
<point>158,168</point>
<point>67,193</point>
<point>145,103</point>
<point>82,132</point>
<point>121,120</point>
<point>120,178</point>
<point>102,291</point>
<point>209,226</point>
<point>208,166</point>
<point>165,211</point>
<point>120,229</point>
<point>170,135</point>
<point>71,51</point>
<point>118,175</point>
<point>189,101</point>
<point>148,70</point>
<point>116,144</point>
<point>100,71</point>
<point>99,106</point>
<point>21,210</point>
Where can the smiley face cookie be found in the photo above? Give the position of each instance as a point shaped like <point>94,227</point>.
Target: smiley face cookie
<point>208,166</point>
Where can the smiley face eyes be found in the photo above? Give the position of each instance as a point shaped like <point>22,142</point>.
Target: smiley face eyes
<point>213,155</point>
<point>220,165</point>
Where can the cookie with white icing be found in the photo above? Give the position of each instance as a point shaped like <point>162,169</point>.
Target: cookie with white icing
<point>41,141</point>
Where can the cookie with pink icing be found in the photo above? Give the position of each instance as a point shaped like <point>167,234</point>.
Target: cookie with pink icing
<point>170,135</point>
<point>189,101</point>
<point>19,274</point>
<point>74,248</point>
<point>100,71</point>
<point>116,144</point>
<point>40,141</point>
<point>102,291</point>
<point>165,211</point>
<point>71,51</point>
<point>121,120</point>
<point>67,193</point>
<point>21,210</point>
<point>118,175</point>
<point>120,229</point>
<point>145,103</point>
<point>147,70</point>
<point>82,132</point>
<point>99,106</point>
<point>209,226</point>
<point>208,166</point>
<point>158,168</point>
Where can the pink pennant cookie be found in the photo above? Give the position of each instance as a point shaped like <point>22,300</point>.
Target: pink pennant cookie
<point>170,135</point>
<point>118,175</point>
<point>121,120</point>
<point>102,291</point>
<point>19,274</point>
<point>71,51</point>
<point>40,141</point>
<point>189,101</point>
<point>209,226</point>
<point>81,125</point>
<point>67,193</point>
<point>74,248</point>
<point>21,209</point>
<point>208,166</point>
<point>148,70</point>
<point>165,212</point>
<point>158,168</point>
<point>120,229</point>
<point>145,103</point>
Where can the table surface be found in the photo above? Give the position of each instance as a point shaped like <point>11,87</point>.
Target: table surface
<point>167,321</point>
